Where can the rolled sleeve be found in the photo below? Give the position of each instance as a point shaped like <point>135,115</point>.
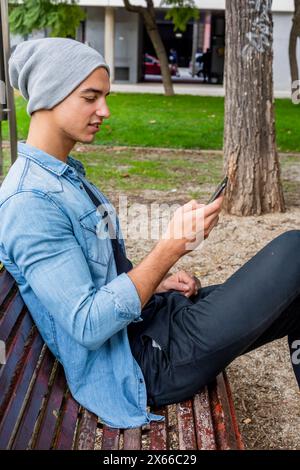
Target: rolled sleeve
<point>126,298</point>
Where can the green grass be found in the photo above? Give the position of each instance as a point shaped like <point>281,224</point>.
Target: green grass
<point>129,170</point>
<point>193,122</point>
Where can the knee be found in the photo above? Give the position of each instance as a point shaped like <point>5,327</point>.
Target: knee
<point>291,236</point>
<point>291,240</point>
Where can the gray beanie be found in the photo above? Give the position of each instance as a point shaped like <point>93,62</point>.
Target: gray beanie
<point>47,70</point>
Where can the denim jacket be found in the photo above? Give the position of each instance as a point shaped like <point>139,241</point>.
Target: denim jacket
<point>68,279</point>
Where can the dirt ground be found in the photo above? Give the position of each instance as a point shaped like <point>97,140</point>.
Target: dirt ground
<point>265,392</point>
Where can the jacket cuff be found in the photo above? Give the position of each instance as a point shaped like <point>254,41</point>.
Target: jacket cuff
<point>126,298</point>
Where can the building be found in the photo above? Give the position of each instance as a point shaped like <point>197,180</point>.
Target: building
<point>122,37</point>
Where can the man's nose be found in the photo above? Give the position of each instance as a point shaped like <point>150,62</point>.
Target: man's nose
<point>103,111</point>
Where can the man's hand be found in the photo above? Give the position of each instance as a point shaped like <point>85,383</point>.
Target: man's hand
<point>182,282</point>
<point>191,224</point>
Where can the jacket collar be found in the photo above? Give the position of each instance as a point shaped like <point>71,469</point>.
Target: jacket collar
<point>47,161</point>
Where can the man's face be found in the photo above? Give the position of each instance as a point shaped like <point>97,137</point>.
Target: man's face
<point>79,116</point>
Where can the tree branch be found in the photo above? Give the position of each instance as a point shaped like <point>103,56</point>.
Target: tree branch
<point>150,9</point>
<point>132,8</point>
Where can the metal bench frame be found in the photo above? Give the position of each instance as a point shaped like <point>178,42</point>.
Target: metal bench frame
<point>37,410</point>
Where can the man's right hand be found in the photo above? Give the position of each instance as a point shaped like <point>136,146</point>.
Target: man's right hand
<point>191,224</point>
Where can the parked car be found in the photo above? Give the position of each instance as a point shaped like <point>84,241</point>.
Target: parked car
<point>152,66</point>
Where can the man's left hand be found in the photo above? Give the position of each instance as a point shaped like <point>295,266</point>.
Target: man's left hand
<point>181,281</point>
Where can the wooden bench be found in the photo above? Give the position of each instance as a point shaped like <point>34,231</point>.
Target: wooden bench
<point>38,412</point>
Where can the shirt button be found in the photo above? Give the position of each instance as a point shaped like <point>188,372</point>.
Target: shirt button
<point>81,187</point>
<point>141,381</point>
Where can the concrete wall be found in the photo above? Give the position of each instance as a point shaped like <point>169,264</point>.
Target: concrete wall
<point>281,67</point>
<point>127,42</point>
<point>94,31</point>
<point>126,39</point>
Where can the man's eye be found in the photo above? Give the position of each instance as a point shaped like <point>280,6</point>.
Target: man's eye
<point>90,99</point>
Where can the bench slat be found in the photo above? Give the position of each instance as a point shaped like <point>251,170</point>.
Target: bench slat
<point>48,424</point>
<point>34,403</point>
<point>203,421</point>
<point>64,437</point>
<point>132,439</point>
<point>18,393</point>
<point>239,440</point>
<point>110,438</point>
<point>6,284</point>
<point>158,432</point>
<point>225,435</point>
<point>10,316</point>
<point>86,432</point>
<point>15,356</point>
<point>186,429</point>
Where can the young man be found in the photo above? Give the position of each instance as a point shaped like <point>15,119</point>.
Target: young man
<point>125,335</point>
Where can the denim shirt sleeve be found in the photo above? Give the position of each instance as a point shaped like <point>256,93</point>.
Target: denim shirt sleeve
<point>38,237</point>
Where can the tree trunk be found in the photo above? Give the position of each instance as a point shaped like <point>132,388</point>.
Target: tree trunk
<point>293,55</point>
<point>295,32</point>
<point>152,30</point>
<point>250,155</point>
<point>148,15</point>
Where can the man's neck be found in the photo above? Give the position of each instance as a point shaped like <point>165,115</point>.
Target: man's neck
<point>43,137</point>
<point>56,151</point>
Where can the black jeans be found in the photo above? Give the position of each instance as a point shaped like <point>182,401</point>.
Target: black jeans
<point>196,338</point>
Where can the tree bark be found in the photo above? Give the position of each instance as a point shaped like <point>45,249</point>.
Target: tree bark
<point>250,154</point>
<point>148,15</point>
<point>294,34</point>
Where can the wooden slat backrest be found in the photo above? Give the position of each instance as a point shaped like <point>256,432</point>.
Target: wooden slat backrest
<point>69,415</point>
<point>35,412</point>
<point>18,392</point>
<point>34,403</point>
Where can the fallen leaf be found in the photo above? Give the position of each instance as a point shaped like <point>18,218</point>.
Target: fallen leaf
<point>247,420</point>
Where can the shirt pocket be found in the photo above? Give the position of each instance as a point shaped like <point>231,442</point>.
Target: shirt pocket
<point>98,247</point>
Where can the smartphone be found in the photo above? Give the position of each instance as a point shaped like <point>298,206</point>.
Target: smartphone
<point>218,190</point>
